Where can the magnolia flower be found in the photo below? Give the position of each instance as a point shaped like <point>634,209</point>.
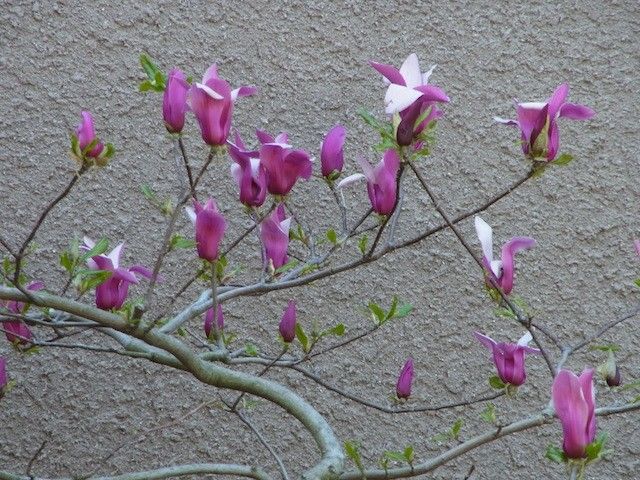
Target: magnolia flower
<point>574,401</point>
<point>274,232</point>
<point>381,182</point>
<point>210,227</point>
<point>113,292</point>
<point>509,357</point>
<point>249,173</point>
<point>17,331</point>
<point>212,103</point>
<point>538,122</point>
<point>283,164</point>
<point>408,85</point>
<point>208,321</point>
<point>403,386</point>
<point>4,379</point>
<point>174,101</point>
<point>637,245</point>
<point>86,134</point>
<point>500,271</point>
<point>287,325</point>
<point>331,151</point>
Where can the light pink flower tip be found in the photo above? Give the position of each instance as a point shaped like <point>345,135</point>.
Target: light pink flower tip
<point>405,379</point>
<point>637,245</point>
<point>574,401</point>
<point>287,327</point>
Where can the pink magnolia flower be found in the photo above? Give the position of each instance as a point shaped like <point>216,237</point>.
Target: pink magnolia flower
<point>637,245</point>
<point>86,134</point>
<point>210,226</point>
<point>174,101</point>
<point>287,325</point>
<point>4,379</point>
<point>408,85</point>
<point>249,173</point>
<point>208,321</point>
<point>331,151</point>
<point>574,401</point>
<point>538,122</point>
<point>282,163</point>
<point>17,331</point>
<point>274,232</point>
<point>403,386</point>
<point>509,357</point>
<point>212,103</point>
<point>501,271</point>
<point>113,292</point>
<point>381,182</point>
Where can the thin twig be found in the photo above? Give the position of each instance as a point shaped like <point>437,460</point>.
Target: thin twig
<point>192,187</point>
<point>35,457</point>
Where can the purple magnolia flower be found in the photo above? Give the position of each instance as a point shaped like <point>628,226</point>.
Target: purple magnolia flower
<point>113,292</point>
<point>408,85</point>
<point>381,182</point>
<point>501,271</point>
<point>208,321</point>
<point>274,232</point>
<point>17,331</point>
<point>210,227</point>
<point>282,163</point>
<point>574,401</point>
<point>538,122</point>
<point>174,101</point>
<point>86,134</point>
<point>509,357</point>
<point>637,245</point>
<point>403,386</point>
<point>287,325</point>
<point>331,151</point>
<point>212,103</point>
<point>249,172</point>
<point>4,379</point>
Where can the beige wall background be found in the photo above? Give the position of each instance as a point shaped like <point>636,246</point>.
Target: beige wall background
<point>310,62</point>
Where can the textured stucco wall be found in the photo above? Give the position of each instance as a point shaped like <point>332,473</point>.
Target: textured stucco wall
<point>309,60</point>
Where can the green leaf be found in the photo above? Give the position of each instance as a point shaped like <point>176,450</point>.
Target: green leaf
<point>369,119</point>
<point>99,248</point>
<point>352,450</point>
<point>251,350</point>
<point>630,386</point>
<point>609,347</point>
<point>563,159</point>
<point>362,244</point>
<point>496,383</point>
<point>109,151</point>
<point>337,330</point>
<point>555,454</point>
<point>145,86</point>
<point>404,310</point>
<point>455,430</point>
<point>92,278</point>
<point>67,261</point>
<point>288,266</point>
<point>408,454</point>
<point>302,337</point>
<point>505,312</point>
<point>178,241</point>
<point>377,311</point>
<point>489,413</point>
<point>156,79</point>
<point>332,236</point>
<point>637,282</point>
<point>392,311</point>
<point>595,449</point>
<point>394,456</point>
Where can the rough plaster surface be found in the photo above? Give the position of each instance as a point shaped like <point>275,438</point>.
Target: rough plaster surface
<point>309,60</point>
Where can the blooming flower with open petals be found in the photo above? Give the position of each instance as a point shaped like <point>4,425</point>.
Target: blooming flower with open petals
<point>174,101</point>
<point>274,232</point>
<point>113,292</point>
<point>509,357</point>
<point>283,164</point>
<point>538,122</point>
<point>249,172</point>
<point>208,321</point>
<point>210,226</point>
<point>381,182</point>
<point>574,401</point>
<point>331,151</point>
<point>287,327</point>
<point>212,103</point>
<point>408,85</point>
<point>500,271</point>
<point>86,134</point>
<point>403,386</point>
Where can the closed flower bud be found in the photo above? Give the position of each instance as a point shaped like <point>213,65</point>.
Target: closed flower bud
<point>331,152</point>
<point>274,232</point>
<point>208,321</point>
<point>174,101</point>
<point>210,227</point>
<point>610,371</point>
<point>287,325</point>
<point>403,386</point>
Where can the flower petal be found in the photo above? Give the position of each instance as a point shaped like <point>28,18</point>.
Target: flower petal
<point>399,97</point>
<point>485,235</point>
<point>574,111</point>
<point>485,340</point>
<point>390,72</point>
<point>508,251</point>
<point>410,71</point>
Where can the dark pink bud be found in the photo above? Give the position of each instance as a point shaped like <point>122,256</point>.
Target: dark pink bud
<point>274,232</point>
<point>174,101</point>
<point>208,321</point>
<point>403,386</point>
<point>331,154</point>
<point>210,226</point>
<point>17,332</point>
<point>86,134</point>
<point>288,323</point>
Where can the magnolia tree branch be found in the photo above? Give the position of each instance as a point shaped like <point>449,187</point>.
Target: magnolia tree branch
<point>330,448</point>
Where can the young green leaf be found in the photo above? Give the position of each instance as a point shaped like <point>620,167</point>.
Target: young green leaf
<point>352,450</point>
<point>555,454</point>
<point>332,236</point>
<point>496,383</point>
<point>362,244</point>
<point>455,430</point>
<point>563,159</point>
<point>302,337</point>
<point>489,413</point>
<point>377,311</point>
